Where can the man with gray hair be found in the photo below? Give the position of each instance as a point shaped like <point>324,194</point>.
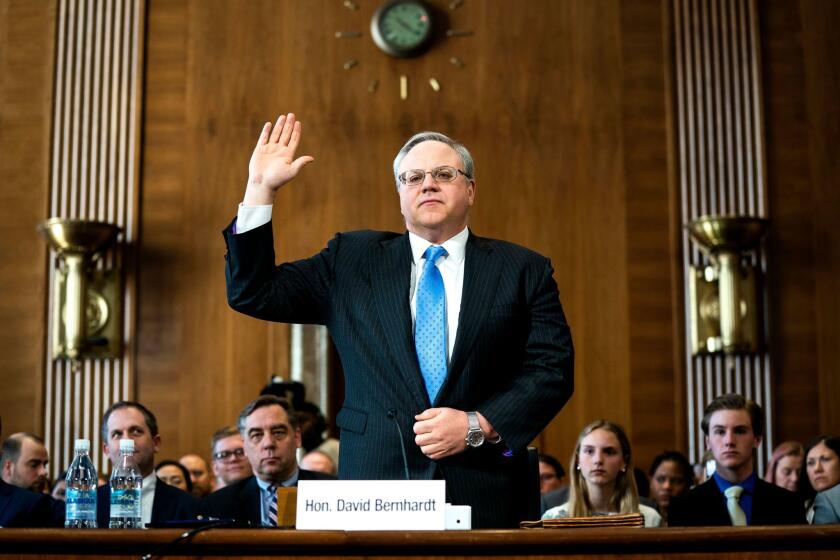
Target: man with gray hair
<point>455,349</point>
<point>271,435</point>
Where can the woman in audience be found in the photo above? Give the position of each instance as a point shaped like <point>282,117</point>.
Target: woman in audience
<point>671,475</point>
<point>821,470</point>
<point>601,472</point>
<point>785,464</point>
<point>174,474</point>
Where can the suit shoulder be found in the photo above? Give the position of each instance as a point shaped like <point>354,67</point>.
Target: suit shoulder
<point>228,492</point>
<point>304,474</point>
<point>173,493</point>
<point>366,236</point>
<point>511,251</point>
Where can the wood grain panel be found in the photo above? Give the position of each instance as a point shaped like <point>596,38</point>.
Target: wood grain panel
<point>27,35</point>
<point>801,85</point>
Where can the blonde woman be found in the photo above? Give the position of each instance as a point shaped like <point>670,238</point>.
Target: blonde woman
<point>601,472</point>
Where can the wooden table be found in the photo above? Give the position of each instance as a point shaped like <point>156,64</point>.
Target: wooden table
<point>628,543</point>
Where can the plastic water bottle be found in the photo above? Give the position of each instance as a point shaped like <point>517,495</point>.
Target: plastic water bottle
<point>81,489</point>
<point>126,490</point>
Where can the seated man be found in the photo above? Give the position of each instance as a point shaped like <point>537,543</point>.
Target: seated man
<point>229,462</point>
<point>271,435</point>
<point>734,495</point>
<point>202,482</point>
<point>160,502</point>
<point>23,508</point>
<point>25,461</point>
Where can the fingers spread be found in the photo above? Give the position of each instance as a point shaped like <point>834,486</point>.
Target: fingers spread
<point>263,134</point>
<point>278,128</point>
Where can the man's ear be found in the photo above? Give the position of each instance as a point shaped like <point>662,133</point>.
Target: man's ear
<point>156,442</point>
<point>7,469</point>
<point>757,441</point>
<point>298,441</point>
<point>706,441</point>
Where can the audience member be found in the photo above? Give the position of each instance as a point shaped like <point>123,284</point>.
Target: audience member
<point>59,487</point>
<point>602,481</point>
<point>24,462</point>
<point>671,475</point>
<point>202,482</point>
<point>552,474</point>
<point>313,425</point>
<point>160,502</point>
<point>318,461</point>
<point>174,474</point>
<point>785,464</point>
<point>827,506</point>
<point>734,495</point>
<point>271,435</point>
<point>24,508</point>
<point>229,462</point>
<point>821,470</point>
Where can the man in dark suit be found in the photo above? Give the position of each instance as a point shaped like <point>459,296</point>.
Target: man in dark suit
<point>455,349</point>
<point>23,508</point>
<point>271,434</point>
<point>734,495</point>
<point>160,502</point>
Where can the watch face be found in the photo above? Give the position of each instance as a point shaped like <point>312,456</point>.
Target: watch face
<point>475,438</point>
<point>402,27</point>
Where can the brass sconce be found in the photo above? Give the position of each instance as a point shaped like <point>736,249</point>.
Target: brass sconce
<point>87,305</point>
<point>724,295</point>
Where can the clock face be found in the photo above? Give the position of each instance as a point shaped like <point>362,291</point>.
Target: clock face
<point>402,27</point>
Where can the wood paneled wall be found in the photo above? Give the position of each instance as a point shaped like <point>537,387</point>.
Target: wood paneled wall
<point>567,107</point>
<point>27,35</point>
<point>801,92</point>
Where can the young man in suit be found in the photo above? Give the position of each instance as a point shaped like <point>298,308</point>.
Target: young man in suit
<point>455,349</point>
<point>271,434</point>
<point>160,502</point>
<point>734,495</point>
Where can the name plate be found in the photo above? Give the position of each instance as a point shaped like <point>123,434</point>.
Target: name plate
<point>371,505</point>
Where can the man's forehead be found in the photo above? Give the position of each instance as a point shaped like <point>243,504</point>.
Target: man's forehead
<point>124,418</point>
<point>267,416</point>
<point>730,418</point>
<point>229,442</point>
<point>31,448</point>
<point>430,151</point>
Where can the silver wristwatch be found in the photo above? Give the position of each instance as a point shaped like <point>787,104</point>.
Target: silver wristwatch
<point>475,437</point>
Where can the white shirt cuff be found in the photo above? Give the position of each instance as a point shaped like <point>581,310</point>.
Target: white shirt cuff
<point>252,217</point>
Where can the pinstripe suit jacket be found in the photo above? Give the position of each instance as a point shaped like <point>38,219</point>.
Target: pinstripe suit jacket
<point>512,361</point>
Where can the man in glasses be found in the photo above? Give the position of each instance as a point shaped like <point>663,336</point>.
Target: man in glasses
<point>229,462</point>
<point>455,349</point>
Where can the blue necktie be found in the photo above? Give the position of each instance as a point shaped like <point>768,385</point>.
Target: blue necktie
<point>430,324</point>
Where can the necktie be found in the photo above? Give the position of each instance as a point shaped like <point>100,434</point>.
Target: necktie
<point>736,514</point>
<point>430,324</point>
<point>272,506</point>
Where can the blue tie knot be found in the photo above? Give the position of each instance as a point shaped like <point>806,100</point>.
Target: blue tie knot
<point>432,254</point>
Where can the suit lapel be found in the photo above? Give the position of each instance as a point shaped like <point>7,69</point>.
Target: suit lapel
<point>390,277</point>
<point>481,278</point>
<point>249,503</point>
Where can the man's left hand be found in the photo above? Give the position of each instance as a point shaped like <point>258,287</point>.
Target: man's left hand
<point>441,432</point>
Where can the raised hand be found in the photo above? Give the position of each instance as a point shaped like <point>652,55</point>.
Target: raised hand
<point>273,162</point>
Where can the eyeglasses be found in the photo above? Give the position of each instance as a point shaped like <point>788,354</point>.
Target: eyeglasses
<point>442,174</point>
<point>224,455</point>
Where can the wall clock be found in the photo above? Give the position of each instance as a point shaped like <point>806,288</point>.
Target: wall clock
<point>403,29</point>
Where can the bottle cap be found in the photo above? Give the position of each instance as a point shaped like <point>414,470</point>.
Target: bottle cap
<point>81,445</point>
<point>127,445</point>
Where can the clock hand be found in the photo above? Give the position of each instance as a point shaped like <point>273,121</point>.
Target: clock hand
<point>404,24</point>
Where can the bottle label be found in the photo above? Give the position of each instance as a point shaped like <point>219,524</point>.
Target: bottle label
<point>81,504</point>
<point>125,502</point>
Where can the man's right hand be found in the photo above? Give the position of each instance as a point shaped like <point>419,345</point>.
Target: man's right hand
<point>273,162</point>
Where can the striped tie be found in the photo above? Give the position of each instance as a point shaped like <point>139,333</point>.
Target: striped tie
<point>272,507</point>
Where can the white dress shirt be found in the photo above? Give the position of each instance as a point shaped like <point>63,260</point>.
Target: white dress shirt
<point>451,266</point>
<point>147,498</point>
